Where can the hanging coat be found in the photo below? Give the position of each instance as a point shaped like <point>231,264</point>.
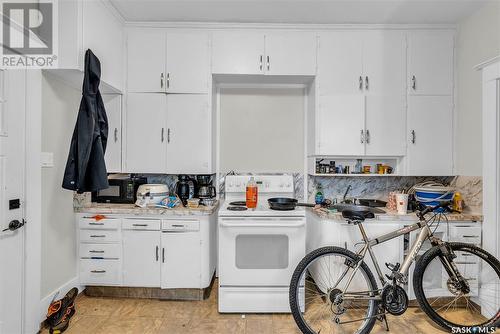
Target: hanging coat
<point>85,168</point>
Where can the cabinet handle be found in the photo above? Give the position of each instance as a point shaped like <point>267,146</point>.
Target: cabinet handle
<point>157,254</point>
<point>362,137</point>
<point>161,79</point>
<point>98,236</point>
<point>268,63</point>
<point>163,255</point>
<point>366,83</point>
<point>96,251</point>
<point>140,225</point>
<point>98,271</point>
<point>470,236</point>
<point>100,224</point>
<point>168,80</point>
<point>260,62</point>
<point>116,135</point>
<point>368,136</point>
<point>162,135</point>
<point>413,137</point>
<point>168,135</point>
<point>360,82</point>
<point>413,82</point>
<point>177,225</point>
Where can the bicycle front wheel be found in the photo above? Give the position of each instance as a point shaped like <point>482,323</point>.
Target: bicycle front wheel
<point>319,299</point>
<point>451,304</point>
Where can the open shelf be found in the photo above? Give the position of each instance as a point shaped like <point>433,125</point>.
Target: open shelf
<point>354,175</point>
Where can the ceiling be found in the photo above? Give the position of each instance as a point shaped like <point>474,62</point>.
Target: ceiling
<point>299,11</point>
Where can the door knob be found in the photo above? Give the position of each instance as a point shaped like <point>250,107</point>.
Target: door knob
<point>14,225</point>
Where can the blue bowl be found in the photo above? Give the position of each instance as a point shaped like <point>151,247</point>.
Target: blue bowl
<point>427,197</point>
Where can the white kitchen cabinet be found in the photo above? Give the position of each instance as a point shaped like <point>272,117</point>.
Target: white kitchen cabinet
<point>187,62</point>
<point>181,259</point>
<point>141,258</point>
<point>113,156</point>
<point>146,135</point>
<point>146,54</point>
<point>340,125</point>
<point>282,53</point>
<point>290,53</point>
<point>430,135</point>
<point>430,62</point>
<point>188,134</point>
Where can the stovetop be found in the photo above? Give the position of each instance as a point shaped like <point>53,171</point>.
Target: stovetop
<point>262,209</point>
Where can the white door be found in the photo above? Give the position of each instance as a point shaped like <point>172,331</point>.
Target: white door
<point>430,62</point>
<point>340,63</point>
<point>12,174</point>
<point>384,63</point>
<point>291,53</point>
<point>430,134</point>
<point>385,125</point>
<point>113,156</point>
<point>340,125</point>
<point>146,150</point>
<point>181,260</point>
<point>188,134</point>
<point>146,54</point>
<point>187,63</point>
<point>237,52</point>
<point>141,258</point>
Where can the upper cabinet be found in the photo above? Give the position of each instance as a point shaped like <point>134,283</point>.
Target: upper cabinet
<point>430,62</point>
<point>113,155</point>
<point>176,62</point>
<point>275,53</point>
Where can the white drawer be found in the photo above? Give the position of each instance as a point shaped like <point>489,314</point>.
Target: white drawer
<point>93,223</point>
<point>180,225</point>
<point>97,236</point>
<point>464,233</point>
<point>105,251</point>
<point>141,224</point>
<point>465,257</point>
<point>100,272</point>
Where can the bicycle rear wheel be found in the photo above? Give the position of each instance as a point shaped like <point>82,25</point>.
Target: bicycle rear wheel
<point>322,275</point>
<point>451,305</point>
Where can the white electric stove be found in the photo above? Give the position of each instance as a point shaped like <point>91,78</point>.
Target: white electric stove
<point>258,248</point>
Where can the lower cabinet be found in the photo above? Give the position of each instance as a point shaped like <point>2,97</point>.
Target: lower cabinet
<point>141,258</point>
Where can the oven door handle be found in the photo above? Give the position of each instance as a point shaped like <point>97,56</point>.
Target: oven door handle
<point>262,225</point>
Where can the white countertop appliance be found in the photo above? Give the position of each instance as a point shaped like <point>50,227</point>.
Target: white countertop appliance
<point>258,248</point>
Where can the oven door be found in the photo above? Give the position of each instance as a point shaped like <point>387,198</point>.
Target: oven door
<point>260,251</point>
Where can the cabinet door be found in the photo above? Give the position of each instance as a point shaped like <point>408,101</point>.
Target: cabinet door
<point>430,62</point>
<point>430,135</point>
<point>385,125</point>
<point>291,53</point>
<point>141,258</point>
<point>181,260</point>
<point>187,63</point>
<point>340,63</point>
<point>146,150</point>
<point>237,52</point>
<point>384,63</point>
<point>113,156</point>
<point>340,125</point>
<point>146,54</point>
<point>188,135</point>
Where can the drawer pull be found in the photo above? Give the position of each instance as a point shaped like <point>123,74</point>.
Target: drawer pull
<point>140,225</point>
<point>178,225</point>
<point>96,251</point>
<point>470,236</point>
<point>96,224</point>
<point>98,236</point>
<point>98,271</point>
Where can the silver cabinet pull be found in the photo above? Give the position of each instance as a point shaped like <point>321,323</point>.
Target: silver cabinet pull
<point>413,82</point>
<point>268,63</point>
<point>162,76</point>
<point>260,62</point>
<point>362,137</point>
<point>368,136</point>
<point>157,253</point>
<point>98,236</point>
<point>116,135</point>
<point>140,225</point>
<point>163,255</point>
<point>413,137</point>
<point>162,135</point>
<point>177,225</point>
<point>360,82</point>
<point>366,83</point>
<point>98,271</point>
<point>168,80</point>
<point>168,135</point>
<point>96,251</point>
<point>99,224</point>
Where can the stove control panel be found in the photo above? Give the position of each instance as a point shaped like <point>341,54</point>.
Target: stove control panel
<point>265,183</point>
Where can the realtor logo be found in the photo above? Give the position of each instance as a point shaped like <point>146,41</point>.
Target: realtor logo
<point>28,35</point>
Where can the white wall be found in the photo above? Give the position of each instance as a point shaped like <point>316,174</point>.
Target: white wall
<point>478,40</point>
<point>59,110</point>
<point>262,130</point>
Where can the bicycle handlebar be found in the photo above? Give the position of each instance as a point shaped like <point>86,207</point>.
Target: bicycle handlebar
<point>445,205</point>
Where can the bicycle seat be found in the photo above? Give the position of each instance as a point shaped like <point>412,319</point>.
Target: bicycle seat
<point>360,215</point>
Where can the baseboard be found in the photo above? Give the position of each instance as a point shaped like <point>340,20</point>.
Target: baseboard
<point>60,292</point>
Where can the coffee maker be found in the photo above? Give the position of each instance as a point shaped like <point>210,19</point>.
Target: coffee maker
<point>205,187</point>
<point>186,188</point>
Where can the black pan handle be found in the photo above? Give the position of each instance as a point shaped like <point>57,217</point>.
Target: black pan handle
<point>308,205</point>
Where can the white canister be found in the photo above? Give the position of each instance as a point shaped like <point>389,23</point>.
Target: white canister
<point>402,203</point>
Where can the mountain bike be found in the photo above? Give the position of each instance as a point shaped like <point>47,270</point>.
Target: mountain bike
<point>334,291</point>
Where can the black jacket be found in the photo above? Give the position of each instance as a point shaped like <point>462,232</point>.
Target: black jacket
<point>85,169</point>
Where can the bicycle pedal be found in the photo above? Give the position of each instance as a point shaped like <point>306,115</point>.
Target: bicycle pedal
<point>392,267</point>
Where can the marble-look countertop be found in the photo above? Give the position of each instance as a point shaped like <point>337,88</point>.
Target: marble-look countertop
<point>394,216</point>
<point>132,209</point>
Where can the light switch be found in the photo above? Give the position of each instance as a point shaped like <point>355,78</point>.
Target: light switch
<point>47,159</point>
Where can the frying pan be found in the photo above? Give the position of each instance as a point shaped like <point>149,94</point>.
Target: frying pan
<point>373,203</point>
<point>283,203</point>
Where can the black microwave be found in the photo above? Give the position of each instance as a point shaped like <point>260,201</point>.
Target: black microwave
<point>122,189</point>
